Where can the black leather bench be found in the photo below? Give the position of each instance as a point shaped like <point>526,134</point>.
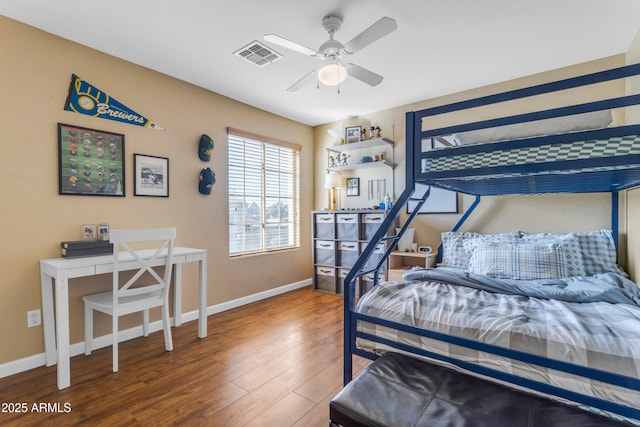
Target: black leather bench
<point>399,391</point>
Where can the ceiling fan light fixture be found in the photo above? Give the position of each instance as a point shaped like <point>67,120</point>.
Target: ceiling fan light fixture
<point>332,74</point>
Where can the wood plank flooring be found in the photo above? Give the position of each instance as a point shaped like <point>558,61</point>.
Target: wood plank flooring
<point>276,362</point>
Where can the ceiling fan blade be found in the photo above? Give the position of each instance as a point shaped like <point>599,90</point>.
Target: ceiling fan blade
<point>364,75</point>
<point>303,81</point>
<point>375,32</point>
<point>280,41</point>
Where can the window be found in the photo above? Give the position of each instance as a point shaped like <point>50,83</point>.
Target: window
<point>264,206</point>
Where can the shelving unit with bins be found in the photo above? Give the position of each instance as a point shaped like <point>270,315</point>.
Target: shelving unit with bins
<point>401,262</point>
<point>339,237</point>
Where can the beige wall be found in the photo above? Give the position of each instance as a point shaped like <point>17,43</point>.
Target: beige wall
<point>556,213</point>
<point>35,71</point>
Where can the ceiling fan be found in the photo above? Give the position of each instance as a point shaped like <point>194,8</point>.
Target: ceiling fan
<point>332,52</point>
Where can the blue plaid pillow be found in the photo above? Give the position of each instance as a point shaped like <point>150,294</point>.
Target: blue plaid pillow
<point>453,252</point>
<point>517,260</point>
<point>597,249</point>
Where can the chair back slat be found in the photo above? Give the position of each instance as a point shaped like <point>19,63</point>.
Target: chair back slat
<point>163,247</point>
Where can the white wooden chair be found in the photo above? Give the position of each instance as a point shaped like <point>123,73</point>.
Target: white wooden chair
<point>135,295</point>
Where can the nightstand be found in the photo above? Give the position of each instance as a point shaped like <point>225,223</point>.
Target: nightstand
<point>401,262</point>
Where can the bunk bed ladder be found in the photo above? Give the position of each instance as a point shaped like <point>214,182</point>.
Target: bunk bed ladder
<point>357,270</point>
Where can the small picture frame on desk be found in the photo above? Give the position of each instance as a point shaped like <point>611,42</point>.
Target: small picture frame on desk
<point>103,232</point>
<point>88,232</point>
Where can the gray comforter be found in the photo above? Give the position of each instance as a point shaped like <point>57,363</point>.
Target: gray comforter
<point>608,287</point>
<point>593,321</point>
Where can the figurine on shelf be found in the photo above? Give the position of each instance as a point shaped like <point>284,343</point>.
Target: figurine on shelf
<point>332,162</point>
<point>363,133</point>
<point>376,158</point>
<point>383,155</point>
<point>343,161</point>
<point>378,132</point>
<point>371,130</point>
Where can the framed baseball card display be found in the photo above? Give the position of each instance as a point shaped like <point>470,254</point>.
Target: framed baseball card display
<point>90,162</point>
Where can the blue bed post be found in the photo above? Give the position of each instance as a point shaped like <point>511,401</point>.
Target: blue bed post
<point>615,212</point>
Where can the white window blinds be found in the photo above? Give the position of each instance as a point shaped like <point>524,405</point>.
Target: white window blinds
<point>264,207</point>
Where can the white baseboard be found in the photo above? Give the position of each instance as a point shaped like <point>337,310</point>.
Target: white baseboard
<point>37,360</point>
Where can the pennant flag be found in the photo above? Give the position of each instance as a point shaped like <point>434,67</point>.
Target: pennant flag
<point>85,98</point>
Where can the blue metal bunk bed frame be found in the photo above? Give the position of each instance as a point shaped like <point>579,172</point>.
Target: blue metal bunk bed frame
<point>618,173</point>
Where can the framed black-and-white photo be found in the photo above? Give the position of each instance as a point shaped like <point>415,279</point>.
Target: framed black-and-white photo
<point>353,187</point>
<point>352,134</point>
<point>90,162</point>
<point>150,175</point>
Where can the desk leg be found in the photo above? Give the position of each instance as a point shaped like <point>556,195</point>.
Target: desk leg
<point>177,295</point>
<point>202,323</point>
<point>48,322</point>
<point>62,331</point>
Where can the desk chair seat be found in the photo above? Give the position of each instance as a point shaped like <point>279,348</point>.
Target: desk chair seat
<point>134,295</point>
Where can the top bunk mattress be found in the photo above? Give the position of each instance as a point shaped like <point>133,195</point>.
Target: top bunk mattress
<point>598,160</point>
<point>568,149</point>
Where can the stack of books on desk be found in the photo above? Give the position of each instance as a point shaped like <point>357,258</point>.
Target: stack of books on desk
<point>82,248</point>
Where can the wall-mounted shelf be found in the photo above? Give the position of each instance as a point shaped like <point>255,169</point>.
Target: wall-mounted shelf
<point>364,165</point>
<point>363,145</point>
<point>367,143</point>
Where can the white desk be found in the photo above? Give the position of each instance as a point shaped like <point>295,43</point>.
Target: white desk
<point>55,274</point>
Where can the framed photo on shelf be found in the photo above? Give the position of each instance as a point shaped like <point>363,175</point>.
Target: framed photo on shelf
<point>353,187</point>
<point>150,175</point>
<point>352,134</point>
<point>90,162</point>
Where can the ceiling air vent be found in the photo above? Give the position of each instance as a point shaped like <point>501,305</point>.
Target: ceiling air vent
<point>258,54</point>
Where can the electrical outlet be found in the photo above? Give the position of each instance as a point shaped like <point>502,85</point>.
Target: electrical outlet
<point>33,318</point>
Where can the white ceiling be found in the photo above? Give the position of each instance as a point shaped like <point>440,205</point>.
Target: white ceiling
<point>440,46</point>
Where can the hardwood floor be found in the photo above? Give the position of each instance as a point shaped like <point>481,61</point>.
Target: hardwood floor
<point>277,362</point>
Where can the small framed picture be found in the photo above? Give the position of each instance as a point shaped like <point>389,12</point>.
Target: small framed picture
<point>352,134</point>
<point>353,187</point>
<point>150,175</point>
<point>89,232</point>
<point>103,231</point>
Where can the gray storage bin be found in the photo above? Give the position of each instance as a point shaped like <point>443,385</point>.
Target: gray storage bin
<point>347,226</point>
<point>325,252</point>
<point>347,253</point>
<point>375,257</point>
<point>370,224</point>
<point>324,226</point>
<point>326,279</point>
